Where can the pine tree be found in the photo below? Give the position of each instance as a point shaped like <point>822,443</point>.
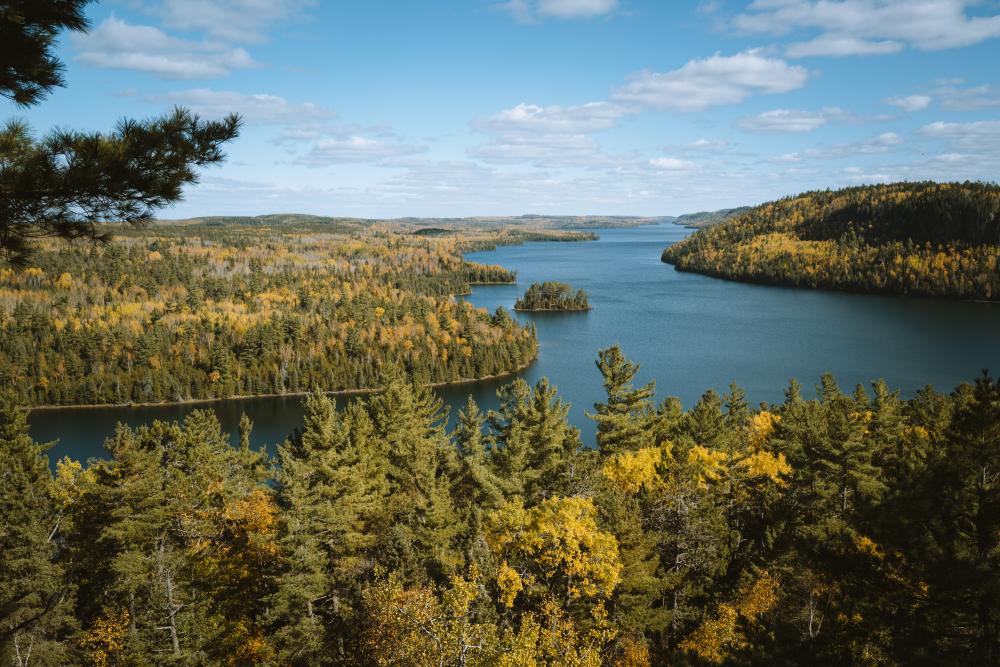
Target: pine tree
<point>959,503</point>
<point>35,596</point>
<point>331,488</point>
<point>474,480</point>
<point>165,546</point>
<point>624,422</point>
<point>535,446</point>
<point>66,183</point>
<point>409,422</point>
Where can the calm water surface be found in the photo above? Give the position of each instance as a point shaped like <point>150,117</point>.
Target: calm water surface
<point>689,332</point>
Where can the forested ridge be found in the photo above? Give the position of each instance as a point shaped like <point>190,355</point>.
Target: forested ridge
<point>842,529</point>
<point>552,295</point>
<point>708,218</point>
<point>933,239</point>
<point>195,312</point>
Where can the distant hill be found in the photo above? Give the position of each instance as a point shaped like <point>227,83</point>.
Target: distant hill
<point>708,218</point>
<point>934,239</point>
<point>326,223</point>
<point>429,226</point>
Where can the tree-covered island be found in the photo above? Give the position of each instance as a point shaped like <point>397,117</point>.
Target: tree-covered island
<point>552,296</point>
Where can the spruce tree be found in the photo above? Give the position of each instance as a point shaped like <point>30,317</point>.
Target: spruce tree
<point>331,488</point>
<point>536,446</point>
<point>409,424</point>
<point>35,597</point>
<point>624,422</point>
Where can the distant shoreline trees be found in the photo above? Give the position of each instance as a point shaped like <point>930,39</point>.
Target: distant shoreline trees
<point>552,296</point>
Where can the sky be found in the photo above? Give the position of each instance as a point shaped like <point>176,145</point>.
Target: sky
<point>607,107</point>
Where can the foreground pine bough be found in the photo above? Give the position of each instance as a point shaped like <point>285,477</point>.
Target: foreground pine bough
<point>844,529</point>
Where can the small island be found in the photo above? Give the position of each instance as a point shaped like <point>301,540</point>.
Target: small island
<point>552,296</point>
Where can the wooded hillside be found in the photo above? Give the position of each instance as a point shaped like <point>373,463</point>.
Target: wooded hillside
<point>934,239</point>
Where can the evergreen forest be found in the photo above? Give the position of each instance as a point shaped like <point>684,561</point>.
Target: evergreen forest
<point>835,528</point>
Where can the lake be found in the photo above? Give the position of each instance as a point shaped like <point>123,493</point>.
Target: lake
<point>687,331</point>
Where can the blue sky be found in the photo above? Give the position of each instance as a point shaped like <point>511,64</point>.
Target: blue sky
<point>479,107</point>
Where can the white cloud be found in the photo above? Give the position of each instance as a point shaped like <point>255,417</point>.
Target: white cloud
<point>709,82</point>
<point>841,45</point>
<point>910,102</point>
<point>552,136</point>
<point>542,150</point>
<point>883,143</point>
<point>533,118</point>
<point>789,120</point>
<point>708,145</point>
<point>255,108</point>
<point>238,21</point>
<point>954,98</point>
<point>670,164</point>
<point>857,27</point>
<point>529,10</point>
<point>975,137</point>
<point>559,136</point>
<point>115,44</point>
<point>354,148</point>
<point>887,139</point>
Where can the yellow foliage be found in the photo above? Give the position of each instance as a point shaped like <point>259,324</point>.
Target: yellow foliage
<point>106,636</point>
<point>709,465</point>
<point>558,541</point>
<point>633,653</point>
<point>721,633</point>
<point>765,464</point>
<point>552,639</point>
<point>761,427</point>
<point>248,646</point>
<point>632,471</point>
<point>69,478</point>
<point>867,546</point>
<point>65,281</point>
<point>257,513</point>
<point>509,583</point>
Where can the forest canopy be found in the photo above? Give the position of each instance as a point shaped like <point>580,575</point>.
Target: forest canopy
<point>174,313</point>
<point>932,239</point>
<point>852,528</point>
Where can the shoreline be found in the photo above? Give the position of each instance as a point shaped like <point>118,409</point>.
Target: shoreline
<point>290,394</point>
<point>842,289</point>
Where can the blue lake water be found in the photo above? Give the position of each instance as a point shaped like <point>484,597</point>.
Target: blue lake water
<point>687,331</point>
